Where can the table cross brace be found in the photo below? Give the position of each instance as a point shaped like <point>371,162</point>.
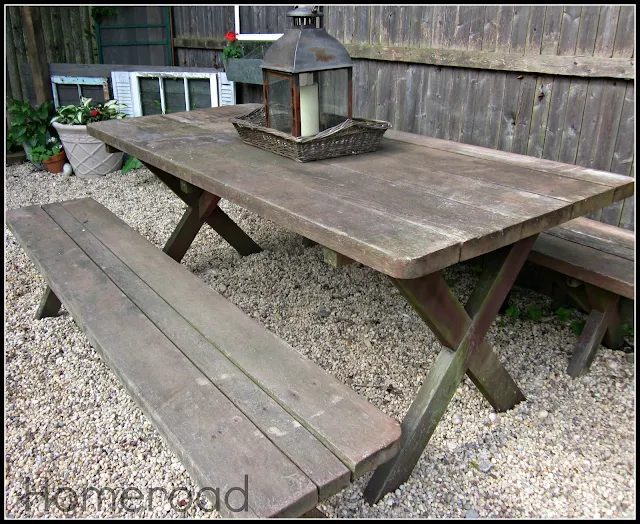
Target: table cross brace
<point>202,207</point>
<point>462,330</point>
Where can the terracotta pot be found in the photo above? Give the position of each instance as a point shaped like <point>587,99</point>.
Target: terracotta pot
<point>55,163</point>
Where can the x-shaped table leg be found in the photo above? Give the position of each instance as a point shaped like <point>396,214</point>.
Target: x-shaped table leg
<point>202,207</point>
<point>462,330</point>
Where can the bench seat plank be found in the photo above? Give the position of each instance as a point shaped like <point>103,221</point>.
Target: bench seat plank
<point>358,433</point>
<point>602,237</point>
<point>179,399</point>
<point>585,263</point>
<point>307,452</point>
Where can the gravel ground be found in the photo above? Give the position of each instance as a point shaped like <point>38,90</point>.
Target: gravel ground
<point>568,451</point>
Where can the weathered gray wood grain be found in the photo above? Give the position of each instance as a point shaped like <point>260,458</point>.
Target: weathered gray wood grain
<point>181,402</point>
<point>540,116</point>
<point>536,30</point>
<point>573,121</point>
<point>569,30</point>
<point>551,30</point>
<point>304,450</point>
<point>607,26</point>
<point>555,120</point>
<point>588,30</point>
<point>624,44</point>
<point>252,178</point>
<point>305,391</point>
<point>603,270</point>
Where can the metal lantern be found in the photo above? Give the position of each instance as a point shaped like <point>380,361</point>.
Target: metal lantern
<point>307,78</point>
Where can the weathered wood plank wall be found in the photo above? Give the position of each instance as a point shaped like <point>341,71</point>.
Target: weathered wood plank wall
<point>69,38</point>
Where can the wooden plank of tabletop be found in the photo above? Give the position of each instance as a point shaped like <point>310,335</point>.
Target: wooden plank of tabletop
<point>384,216</point>
<point>624,186</point>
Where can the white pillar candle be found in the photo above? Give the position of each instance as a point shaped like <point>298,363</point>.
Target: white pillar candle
<point>309,112</point>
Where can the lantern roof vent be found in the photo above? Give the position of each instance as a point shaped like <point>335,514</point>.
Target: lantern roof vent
<point>305,47</point>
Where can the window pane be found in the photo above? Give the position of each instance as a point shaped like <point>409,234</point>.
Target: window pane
<point>279,93</point>
<point>199,93</point>
<point>174,95</point>
<point>333,97</point>
<point>150,96</point>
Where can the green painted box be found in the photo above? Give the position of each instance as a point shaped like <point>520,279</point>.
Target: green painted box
<point>245,70</point>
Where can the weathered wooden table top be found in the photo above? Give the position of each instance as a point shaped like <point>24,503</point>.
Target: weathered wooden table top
<point>415,206</point>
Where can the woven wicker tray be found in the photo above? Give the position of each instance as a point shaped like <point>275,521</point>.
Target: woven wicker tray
<point>350,137</point>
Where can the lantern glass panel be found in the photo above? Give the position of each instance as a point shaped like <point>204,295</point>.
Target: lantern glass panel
<point>279,102</point>
<point>333,97</point>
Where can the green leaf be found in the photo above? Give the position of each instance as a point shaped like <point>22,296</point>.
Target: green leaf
<point>477,268</point>
<point>43,111</point>
<point>563,313</point>
<point>627,330</point>
<point>18,119</point>
<point>132,163</point>
<point>512,311</point>
<point>577,326</point>
<point>534,313</point>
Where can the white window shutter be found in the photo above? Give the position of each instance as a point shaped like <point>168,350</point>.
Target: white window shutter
<point>121,84</point>
<point>227,90</point>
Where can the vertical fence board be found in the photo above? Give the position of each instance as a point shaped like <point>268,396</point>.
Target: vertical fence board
<point>625,39</point>
<point>607,30</point>
<point>588,29</point>
<point>551,30</point>
<point>13,71</point>
<point>496,101</point>
<point>468,106</point>
<point>555,121</point>
<point>74,16</point>
<point>513,87</point>
<point>569,30</point>
<point>21,51</point>
<point>540,116</point>
<point>462,28</point>
<point>573,121</point>
<point>490,28</point>
<point>536,30</point>
<point>481,116</point>
<point>523,120</point>
<point>520,29</point>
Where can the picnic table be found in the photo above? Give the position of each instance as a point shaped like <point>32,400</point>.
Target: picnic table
<point>408,210</point>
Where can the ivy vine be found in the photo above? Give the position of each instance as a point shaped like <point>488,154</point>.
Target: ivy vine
<point>100,13</point>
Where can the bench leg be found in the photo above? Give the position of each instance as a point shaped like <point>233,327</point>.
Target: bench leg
<point>191,222</point>
<point>603,326</point>
<point>461,329</point>
<point>49,305</point>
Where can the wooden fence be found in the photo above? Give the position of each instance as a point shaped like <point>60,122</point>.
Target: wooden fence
<point>554,82</point>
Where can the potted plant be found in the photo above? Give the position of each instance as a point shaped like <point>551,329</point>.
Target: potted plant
<point>52,155</point>
<point>87,155</point>
<point>30,127</point>
<point>242,63</point>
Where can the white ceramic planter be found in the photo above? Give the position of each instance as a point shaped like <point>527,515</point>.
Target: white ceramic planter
<point>87,155</point>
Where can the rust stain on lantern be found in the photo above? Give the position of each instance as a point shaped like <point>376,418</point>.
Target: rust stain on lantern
<point>321,54</point>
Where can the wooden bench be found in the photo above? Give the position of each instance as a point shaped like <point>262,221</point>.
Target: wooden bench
<point>598,260</point>
<point>229,397</point>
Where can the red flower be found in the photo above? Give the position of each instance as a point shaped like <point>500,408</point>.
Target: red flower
<point>94,112</point>
<point>231,36</point>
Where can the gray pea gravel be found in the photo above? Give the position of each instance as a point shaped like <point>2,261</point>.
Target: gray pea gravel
<point>568,451</point>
